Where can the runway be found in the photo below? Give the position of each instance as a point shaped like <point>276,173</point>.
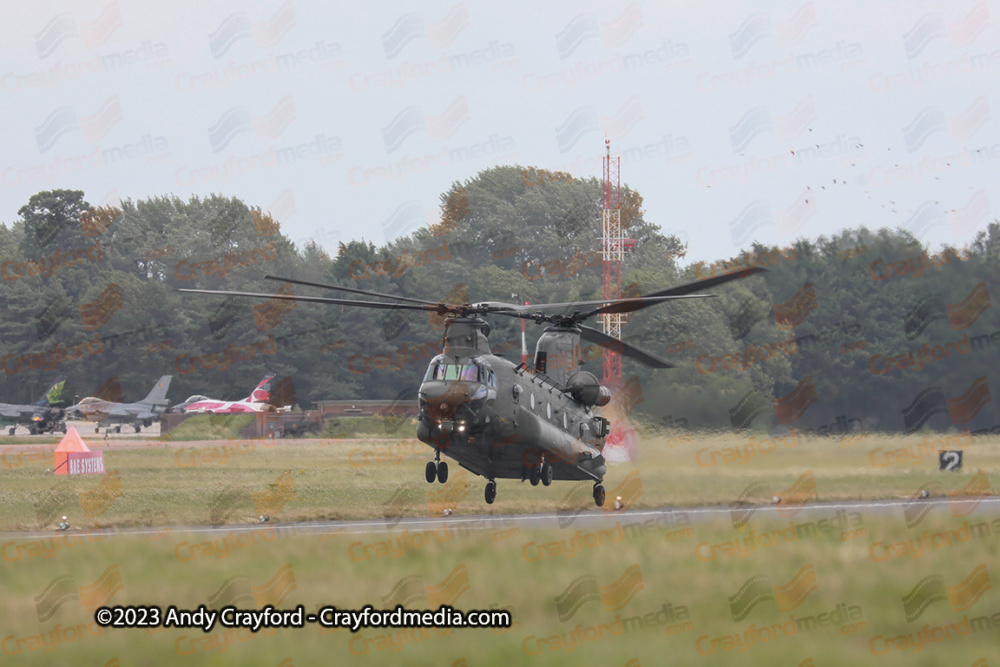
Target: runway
<point>589,518</point>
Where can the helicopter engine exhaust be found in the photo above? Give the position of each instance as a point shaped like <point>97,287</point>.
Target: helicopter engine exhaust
<point>586,388</point>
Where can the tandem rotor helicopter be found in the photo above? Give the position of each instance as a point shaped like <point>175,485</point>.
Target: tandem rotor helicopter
<point>502,420</point>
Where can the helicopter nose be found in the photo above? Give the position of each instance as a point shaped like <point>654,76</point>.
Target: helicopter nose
<point>445,401</point>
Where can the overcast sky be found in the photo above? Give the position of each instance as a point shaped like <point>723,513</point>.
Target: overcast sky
<point>737,121</point>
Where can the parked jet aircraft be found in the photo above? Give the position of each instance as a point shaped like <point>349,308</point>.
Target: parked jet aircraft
<point>257,401</point>
<point>45,415</point>
<point>140,414</point>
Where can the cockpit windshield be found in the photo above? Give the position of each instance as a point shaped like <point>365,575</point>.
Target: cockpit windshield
<point>441,370</point>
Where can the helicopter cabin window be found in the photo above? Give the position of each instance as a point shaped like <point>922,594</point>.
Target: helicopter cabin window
<point>493,380</point>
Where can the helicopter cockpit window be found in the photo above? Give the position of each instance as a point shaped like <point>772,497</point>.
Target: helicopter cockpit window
<point>493,380</point>
<point>445,371</point>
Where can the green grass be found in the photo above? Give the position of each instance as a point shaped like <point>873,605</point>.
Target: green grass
<point>233,481</point>
<point>163,485</point>
<point>211,427</point>
<point>502,570</point>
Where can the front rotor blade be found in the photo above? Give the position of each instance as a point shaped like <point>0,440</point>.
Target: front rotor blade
<point>697,285</point>
<point>441,309</point>
<point>352,290</point>
<point>678,292</point>
<point>633,305</point>
<point>624,349</point>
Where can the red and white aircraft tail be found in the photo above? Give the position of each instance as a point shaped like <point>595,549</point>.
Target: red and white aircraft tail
<point>257,401</point>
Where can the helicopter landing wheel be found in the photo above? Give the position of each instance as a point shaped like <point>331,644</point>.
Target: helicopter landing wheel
<point>547,474</point>
<point>11,430</point>
<point>535,475</point>
<point>430,472</point>
<point>442,471</point>
<point>599,495</point>
<point>118,429</point>
<point>491,492</point>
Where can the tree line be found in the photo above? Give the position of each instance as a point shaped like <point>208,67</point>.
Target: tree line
<point>866,328</point>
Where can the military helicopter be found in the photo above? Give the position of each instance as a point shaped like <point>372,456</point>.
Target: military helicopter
<point>502,420</point>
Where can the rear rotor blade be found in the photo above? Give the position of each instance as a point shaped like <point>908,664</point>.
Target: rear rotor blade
<point>626,305</point>
<point>352,290</point>
<point>439,308</point>
<point>624,349</point>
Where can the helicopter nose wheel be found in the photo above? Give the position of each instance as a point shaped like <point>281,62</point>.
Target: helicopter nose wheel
<point>491,492</point>
<point>599,495</point>
<point>436,471</point>
<point>534,475</point>
<point>547,474</point>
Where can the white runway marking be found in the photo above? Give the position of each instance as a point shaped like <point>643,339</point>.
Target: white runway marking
<point>484,522</point>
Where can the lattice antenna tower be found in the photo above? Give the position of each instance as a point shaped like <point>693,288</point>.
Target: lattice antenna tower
<point>612,253</point>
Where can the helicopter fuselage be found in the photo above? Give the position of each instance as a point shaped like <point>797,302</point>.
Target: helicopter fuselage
<point>501,420</point>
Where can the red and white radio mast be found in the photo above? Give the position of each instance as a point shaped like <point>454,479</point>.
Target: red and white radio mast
<point>612,253</point>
